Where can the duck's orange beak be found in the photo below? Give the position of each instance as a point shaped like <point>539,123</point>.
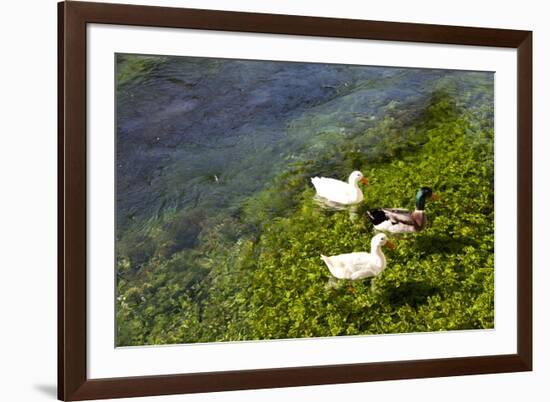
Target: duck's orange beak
<point>435,197</point>
<point>391,245</point>
<point>364,180</point>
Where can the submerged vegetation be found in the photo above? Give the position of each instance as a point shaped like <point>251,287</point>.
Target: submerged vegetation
<point>253,270</point>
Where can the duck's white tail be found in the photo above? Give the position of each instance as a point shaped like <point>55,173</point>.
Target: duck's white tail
<point>316,181</point>
<point>330,265</point>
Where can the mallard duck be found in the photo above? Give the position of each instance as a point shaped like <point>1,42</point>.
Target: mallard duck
<point>360,265</point>
<point>339,191</point>
<point>399,220</point>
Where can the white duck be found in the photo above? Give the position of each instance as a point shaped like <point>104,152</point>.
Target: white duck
<point>360,265</point>
<point>339,191</point>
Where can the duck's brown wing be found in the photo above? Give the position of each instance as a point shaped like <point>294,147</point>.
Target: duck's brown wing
<point>399,215</point>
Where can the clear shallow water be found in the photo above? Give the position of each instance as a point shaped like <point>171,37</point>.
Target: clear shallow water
<point>204,135</point>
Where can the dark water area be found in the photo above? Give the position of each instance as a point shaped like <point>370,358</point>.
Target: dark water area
<point>205,134</point>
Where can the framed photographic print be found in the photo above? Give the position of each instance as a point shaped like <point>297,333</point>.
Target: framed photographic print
<point>253,200</point>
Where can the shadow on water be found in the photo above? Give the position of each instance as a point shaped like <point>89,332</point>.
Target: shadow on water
<point>443,243</point>
<point>328,205</point>
<point>412,293</point>
<point>331,206</point>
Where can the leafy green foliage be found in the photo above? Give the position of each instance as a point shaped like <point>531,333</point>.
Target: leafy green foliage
<point>256,273</point>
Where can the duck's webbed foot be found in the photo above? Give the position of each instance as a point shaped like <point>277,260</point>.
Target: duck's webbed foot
<point>351,288</point>
<point>332,283</point>
<point>373,286</point>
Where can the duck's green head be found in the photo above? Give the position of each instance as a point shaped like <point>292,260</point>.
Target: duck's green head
<point>422,195</point>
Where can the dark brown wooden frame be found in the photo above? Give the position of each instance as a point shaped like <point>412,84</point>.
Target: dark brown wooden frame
<point>73,383</point>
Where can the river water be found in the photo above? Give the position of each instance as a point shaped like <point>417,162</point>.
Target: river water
<point>200,133</point>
